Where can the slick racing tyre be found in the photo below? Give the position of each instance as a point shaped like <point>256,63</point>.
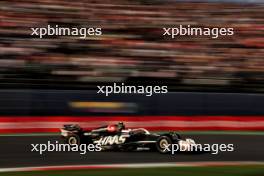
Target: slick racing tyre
<point>163,144</point>
<point>73,139</point>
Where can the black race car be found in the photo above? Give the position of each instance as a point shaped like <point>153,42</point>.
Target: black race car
<point>117,137</point>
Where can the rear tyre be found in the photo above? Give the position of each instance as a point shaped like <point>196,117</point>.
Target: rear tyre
<point>73,139</point>
<point>163,144</point>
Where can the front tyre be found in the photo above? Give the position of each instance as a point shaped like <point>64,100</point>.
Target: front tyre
<point>163,144</point>
<point>73,139</point>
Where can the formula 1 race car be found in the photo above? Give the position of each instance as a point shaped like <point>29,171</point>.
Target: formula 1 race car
<point>117,137</point>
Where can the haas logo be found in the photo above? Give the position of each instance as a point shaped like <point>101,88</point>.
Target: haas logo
<point>110,140</point>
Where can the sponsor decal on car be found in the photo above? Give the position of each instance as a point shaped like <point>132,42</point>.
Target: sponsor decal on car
<point>110,140</point>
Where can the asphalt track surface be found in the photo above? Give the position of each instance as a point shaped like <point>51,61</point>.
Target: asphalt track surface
<point>15,151</point>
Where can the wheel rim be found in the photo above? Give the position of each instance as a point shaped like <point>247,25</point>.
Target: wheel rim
<point>72,140</point>
<point>163,143</point>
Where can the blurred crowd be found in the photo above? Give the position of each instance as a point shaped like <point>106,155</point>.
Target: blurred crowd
<point>132,47</point>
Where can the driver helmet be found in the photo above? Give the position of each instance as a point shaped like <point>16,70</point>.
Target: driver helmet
<point>120,125</point>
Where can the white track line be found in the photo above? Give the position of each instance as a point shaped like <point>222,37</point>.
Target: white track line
<point>133,165</point>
